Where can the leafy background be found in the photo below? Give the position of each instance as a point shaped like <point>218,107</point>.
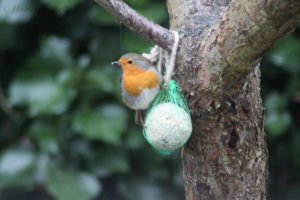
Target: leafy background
<point>64,133</point>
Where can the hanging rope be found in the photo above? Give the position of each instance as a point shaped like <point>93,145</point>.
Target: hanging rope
<point>153,54</point>
<point>157,53</point>
<point>168,123</point>
<point>170,62</point>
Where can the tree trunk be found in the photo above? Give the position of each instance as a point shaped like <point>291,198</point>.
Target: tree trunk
<point>221,45</point>
<point>218,70</point>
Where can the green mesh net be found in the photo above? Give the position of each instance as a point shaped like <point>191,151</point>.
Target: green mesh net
<point>168,123</point>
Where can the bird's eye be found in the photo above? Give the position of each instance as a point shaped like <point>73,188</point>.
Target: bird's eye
<point>130,62</point>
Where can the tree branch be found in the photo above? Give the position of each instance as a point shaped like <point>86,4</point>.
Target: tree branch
<point>138,23</point>
<point>222,43</point>
<point>243,34</point>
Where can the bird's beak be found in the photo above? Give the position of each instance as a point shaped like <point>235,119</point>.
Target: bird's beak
<point>116,63</point>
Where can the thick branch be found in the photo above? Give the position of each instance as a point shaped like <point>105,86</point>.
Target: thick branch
<point>221,43</point>
<point>244,33</point>
<point>138,23</point>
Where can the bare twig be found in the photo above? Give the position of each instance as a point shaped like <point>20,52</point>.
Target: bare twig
<point>138,23</point>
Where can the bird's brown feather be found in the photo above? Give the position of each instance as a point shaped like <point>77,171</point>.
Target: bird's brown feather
<point>135,79</point>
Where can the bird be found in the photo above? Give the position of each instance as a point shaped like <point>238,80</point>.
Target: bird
<point>140,83</point>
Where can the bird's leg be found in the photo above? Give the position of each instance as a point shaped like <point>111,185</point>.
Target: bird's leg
<point>139,118</point>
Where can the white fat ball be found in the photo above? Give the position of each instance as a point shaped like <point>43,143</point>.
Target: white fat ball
<point>167,127</point>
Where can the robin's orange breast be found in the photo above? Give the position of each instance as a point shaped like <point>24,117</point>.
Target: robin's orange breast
<point>135,82</point>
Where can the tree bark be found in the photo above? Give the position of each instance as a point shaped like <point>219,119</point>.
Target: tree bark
<point>222,43</point>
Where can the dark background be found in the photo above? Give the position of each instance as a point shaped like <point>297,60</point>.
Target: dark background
<point>64,132</point>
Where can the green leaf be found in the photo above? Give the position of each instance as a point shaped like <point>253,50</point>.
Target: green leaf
<point>61,6</point>
<point>45,137</point>
<point>42,163</point>
<point>134,43</point>
<point>79,148</point>
<point>103,79</point>
<point>42,93</point>
<point>54,52</point>
<point>293,85</point>
<point>275,101</point>
<point>137,188</point>
<point>65,184</point>
<point>102,17</point>
<point>139,3</point>
<point>17,11</point>
<point>105,123</point>
<point>134,139</point>
<point>286,54</point>
<point>106,44</point>
<point>84,61</point>
<point>108,161</point>
<point>160,12</point>
<point>277,117</point>
<point>16,168</point>
<point>276,123</point>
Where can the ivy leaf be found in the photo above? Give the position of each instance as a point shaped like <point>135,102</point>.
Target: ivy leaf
<point>160,12</point>
<point>293,85</point>
<point>66,184</point>
<point>105,123</point>
<point>102,17</point>
<point>16,168</point>
<point>135,140</point>
<point>84,61</point>
<point>277,122</point>
<point>54,52</point>
<point>45,137</point>
<point>109,160</point>
<point>135,43</point>
<point>136,188</point>
<point>276,101</point>
<point>104,79</point>
<point>286,54</point>
<point>109,39</point>
<point>42,85</point>
<point>42,94</point>
<point>139,3</point>
<point>61,6</point>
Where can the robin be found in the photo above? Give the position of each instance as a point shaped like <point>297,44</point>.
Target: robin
<point>140,83</point>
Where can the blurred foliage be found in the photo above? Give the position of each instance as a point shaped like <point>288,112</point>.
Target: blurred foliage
<point>281,97</point>
<point>64,133</point>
